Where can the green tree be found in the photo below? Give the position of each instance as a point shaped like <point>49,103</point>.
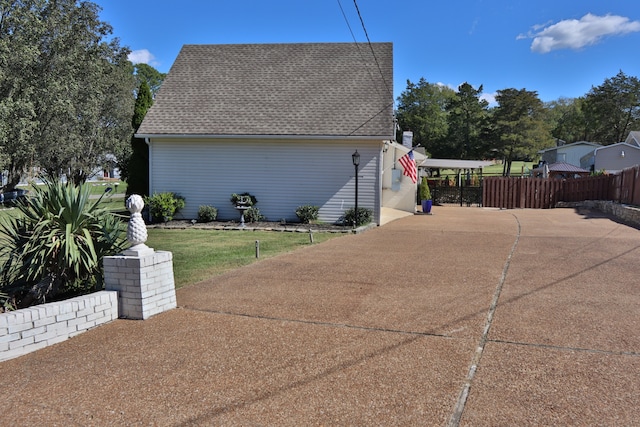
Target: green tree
<point>137,171</point>
<point>71,85</point>
<point>18,123</point>
<point>613,109</point>
<point>467,115</point>
<point>153,77</point>
<point>520,125</point>
<point>422,110</point>
<point>566,119</point>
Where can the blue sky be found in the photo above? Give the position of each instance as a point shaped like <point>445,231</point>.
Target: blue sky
<point>559,48</point>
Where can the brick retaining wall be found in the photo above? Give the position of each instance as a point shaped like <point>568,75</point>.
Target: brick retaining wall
<point>29,329</point>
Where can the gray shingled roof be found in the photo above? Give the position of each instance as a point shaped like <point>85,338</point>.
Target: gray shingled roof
<point>314,89</point>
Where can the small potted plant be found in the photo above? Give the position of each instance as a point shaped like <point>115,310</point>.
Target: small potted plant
<point>425,196</point>
<point>244,199</point>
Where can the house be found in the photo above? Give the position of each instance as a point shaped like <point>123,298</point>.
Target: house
<point>279,121</point>
<point>577,153</point>
<point>633,138</point>
<point>616,157</point>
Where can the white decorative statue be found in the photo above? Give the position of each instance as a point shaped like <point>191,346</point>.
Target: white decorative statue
<point>136,230</point>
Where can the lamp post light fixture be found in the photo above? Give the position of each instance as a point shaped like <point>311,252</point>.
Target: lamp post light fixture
<point>355,157</point>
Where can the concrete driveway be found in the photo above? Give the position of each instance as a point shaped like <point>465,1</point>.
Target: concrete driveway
<point>466,317</point>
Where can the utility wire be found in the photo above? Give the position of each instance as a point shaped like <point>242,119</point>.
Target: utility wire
<point>364,61</point>
<point>355,41</point>
<point>371,47</point>
<point>371,118</point>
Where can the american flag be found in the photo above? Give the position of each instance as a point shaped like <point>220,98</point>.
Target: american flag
<point>409,164</point>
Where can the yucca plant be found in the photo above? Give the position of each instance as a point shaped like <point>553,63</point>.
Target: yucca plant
<point>57,243</point>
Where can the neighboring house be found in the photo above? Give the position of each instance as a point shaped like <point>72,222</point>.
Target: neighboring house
<point>576,153</point>
<point>616,157</point>
<point>279,121</point>
<point>633,138</point>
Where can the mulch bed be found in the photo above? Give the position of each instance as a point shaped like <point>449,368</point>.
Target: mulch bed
<point>255,226</point>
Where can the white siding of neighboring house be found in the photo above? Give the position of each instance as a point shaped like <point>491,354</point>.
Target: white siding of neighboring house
<point>281,174</point>
<point>610,158</point>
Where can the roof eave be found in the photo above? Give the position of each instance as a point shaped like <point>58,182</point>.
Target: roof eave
<point>318,137</point>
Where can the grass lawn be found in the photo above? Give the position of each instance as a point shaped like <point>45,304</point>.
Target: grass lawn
<point>496,170</point>
<point>516,168</point>
<point>201,254</point>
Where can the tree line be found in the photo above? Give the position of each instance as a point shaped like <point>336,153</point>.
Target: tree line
<point>67,92</point>
<point>71,101</point>
<point>461,125</point>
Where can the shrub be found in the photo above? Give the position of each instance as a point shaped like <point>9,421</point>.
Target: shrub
<point>307,213</point>
<point>425,192</point>
<point>253,215</point>
<point>164,206</point>
<point>364,216</point>
<point>207,214</point>
<point>56,244</point>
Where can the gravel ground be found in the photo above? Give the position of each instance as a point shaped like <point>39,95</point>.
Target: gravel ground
<point>469,316</point>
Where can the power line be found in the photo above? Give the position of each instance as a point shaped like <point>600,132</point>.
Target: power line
<point>371,118</point>
<point>364,61</point>
<point>371,47</point>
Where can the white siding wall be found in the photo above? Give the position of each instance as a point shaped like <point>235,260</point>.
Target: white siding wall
<point>402,196</point>
<point>282,175</point>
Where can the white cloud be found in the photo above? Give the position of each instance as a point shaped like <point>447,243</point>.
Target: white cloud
<point>490,98</point>
<point>142,56</point>
<point>576,34</point>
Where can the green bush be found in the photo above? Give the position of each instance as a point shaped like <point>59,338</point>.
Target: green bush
<point>57,243</point>
<point>207,213</point>
<point>164,206</point>
<point>253,215</point>
<point>307,213</point>
<point>425,192</point>
<point>364,216</point>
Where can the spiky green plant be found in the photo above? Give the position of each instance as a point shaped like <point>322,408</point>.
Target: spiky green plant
<point>57,243</point>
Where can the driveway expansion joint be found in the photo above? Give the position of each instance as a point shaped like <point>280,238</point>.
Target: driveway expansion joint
<point>464,393</point>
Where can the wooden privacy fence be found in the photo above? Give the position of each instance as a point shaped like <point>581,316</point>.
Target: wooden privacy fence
<point>628,186</point>
<point>542,193</point>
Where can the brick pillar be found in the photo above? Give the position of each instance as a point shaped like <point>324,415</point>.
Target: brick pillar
<point>144,281</point>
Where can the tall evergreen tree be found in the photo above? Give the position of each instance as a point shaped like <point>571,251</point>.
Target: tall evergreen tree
<point>137,174</point>
<point>519,122</point>
<point>466,118</point>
